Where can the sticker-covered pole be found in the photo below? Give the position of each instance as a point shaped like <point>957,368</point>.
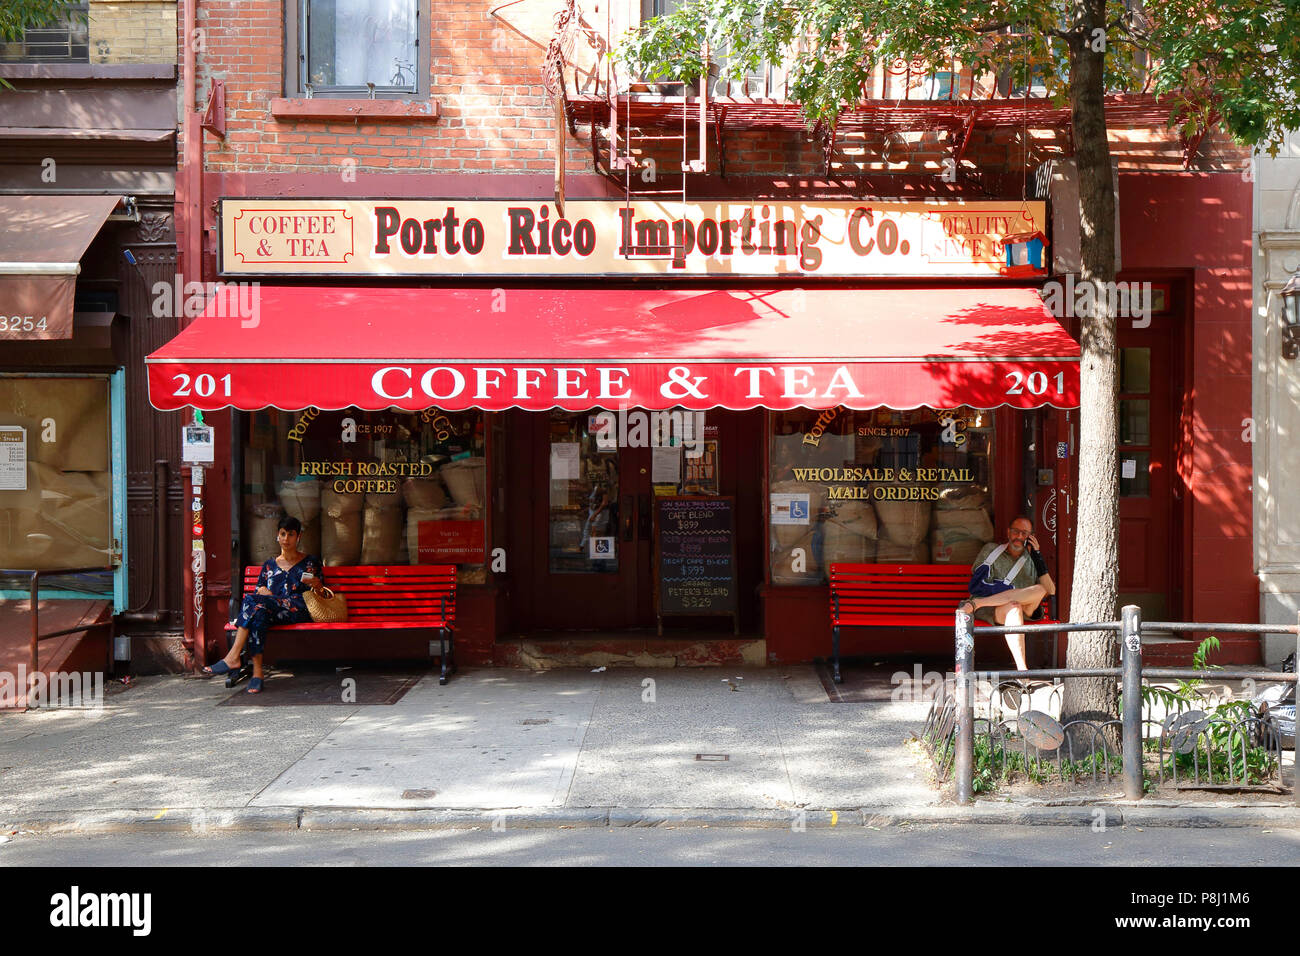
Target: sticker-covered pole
<point>964,765</point>
<point>1131,675</point>
<point>198,566</point>
<point>197,452</point>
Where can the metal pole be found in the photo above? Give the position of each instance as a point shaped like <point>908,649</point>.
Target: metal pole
<point>33,664</point>
<point>964,766</point>
<point>1131,668</point>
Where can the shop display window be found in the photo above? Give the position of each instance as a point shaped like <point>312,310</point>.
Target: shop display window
<point>383,488</point>
<point>878,486</point>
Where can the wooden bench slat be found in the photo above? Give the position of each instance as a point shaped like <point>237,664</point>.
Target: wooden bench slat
<point>897,595</point>
<point>419,597</point>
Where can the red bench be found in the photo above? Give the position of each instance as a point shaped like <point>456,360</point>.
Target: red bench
<point>418,597</point>
<point>898,595</point>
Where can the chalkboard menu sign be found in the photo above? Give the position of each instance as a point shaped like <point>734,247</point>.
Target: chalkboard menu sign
<point>695,557</point>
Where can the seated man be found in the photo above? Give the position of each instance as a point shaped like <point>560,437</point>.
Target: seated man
<point>1008,583</point>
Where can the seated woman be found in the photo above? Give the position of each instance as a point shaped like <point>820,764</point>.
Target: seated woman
<point>278,600</point>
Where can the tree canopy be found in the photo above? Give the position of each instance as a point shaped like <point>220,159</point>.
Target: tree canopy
<point>18,16</point>
<point>1232,61</point>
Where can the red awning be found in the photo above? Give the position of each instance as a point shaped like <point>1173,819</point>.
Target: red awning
<point>539,348</point>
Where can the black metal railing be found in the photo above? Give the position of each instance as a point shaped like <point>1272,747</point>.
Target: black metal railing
<point>33,666</point>
<point>1224,738</point>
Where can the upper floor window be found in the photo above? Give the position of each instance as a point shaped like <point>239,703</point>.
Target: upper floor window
<point>359,48</point>
<point>65,39</point>
<point>767,80</point>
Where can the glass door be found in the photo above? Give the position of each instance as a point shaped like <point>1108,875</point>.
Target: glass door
<point>595,541</point>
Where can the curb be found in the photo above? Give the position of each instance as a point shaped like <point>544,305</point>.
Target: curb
<point>161,820</point>
<point>999,815</point>
<point>320,818</point>
<point>323,819</point>
<point>1190,818</point>
<point>753,819</point>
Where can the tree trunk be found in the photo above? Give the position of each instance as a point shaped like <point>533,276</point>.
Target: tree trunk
<point>1096,557</point>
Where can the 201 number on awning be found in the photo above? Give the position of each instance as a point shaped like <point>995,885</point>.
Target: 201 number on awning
<point>205,386</point>
<point>1035,382</point>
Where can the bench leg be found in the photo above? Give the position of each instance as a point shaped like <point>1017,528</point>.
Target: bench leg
<point>242,673</point>
<point>835,653</point>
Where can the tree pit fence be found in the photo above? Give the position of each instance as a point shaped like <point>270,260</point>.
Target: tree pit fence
<point>1231,747</point>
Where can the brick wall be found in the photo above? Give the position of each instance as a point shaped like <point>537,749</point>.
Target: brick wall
<point>132,31</point>
<point>495,116</point>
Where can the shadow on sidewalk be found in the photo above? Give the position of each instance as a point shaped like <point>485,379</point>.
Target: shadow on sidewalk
<point>295,684</point>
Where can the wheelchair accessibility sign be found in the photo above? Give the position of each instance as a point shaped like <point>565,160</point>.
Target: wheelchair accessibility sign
<point>789,508</point>
<point>600,549</point>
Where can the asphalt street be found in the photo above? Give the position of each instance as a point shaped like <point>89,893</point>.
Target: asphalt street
<point>985,845</point>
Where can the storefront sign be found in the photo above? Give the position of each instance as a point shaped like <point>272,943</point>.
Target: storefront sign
<point>814,436</point>
<point>888,484</point>
<point>37,306</point>
<point>13,458</point>
<point>608,237</point>
<point>378,477</point>
<point>702,472</point>
<point>197,446</point>
<point>451,542</point>
<point>695,556</point>
<point>299,430</point>
<point>701,386</point>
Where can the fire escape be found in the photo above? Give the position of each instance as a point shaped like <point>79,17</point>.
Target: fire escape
<point>635,118</point>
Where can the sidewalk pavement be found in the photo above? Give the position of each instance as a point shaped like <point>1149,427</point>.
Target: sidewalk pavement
<point>502,747</point>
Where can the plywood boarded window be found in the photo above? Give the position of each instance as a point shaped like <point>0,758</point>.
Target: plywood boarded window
<point>56,477</point>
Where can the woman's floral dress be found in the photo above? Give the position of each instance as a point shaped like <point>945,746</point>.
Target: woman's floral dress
<point>284,605</point>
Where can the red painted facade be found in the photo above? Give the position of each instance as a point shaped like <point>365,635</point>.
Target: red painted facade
<point>492,135</point>
<point>1196,226</point>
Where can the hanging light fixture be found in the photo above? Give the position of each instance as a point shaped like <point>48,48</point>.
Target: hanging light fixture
<point>1291,319</point>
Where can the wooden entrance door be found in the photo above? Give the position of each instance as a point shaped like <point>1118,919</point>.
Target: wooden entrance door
<point>591,558</point>
<point>1149,554</point>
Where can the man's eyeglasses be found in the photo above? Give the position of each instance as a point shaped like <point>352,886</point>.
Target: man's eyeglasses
<point>1017,533</point>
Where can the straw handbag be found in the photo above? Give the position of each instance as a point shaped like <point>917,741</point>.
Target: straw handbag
<point>326,607</point>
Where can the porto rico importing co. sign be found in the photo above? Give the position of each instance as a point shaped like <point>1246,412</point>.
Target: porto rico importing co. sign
<point>454,237</point>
